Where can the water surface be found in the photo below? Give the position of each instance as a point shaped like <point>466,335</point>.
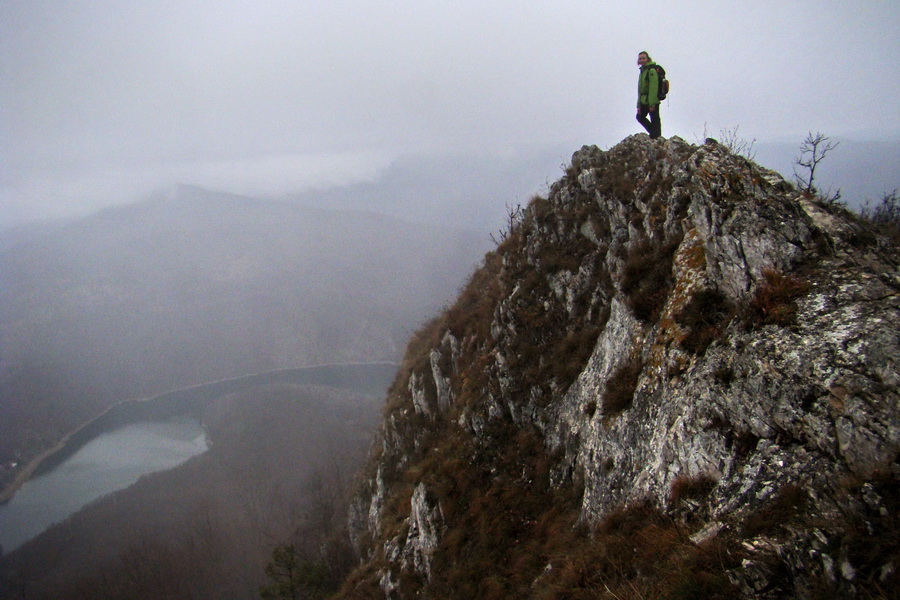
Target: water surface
<point>110,462</point>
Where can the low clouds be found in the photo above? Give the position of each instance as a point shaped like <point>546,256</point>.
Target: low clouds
<point>270,176</point>
<point>99,100</point>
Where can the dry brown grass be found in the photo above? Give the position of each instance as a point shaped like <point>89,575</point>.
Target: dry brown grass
<point>637,553</point>
<point>620,387</point>
<point>704,317</point>
<point>691,488</point>
<point>647,277</point>
<point>774,302</point>
<point>785,506</point>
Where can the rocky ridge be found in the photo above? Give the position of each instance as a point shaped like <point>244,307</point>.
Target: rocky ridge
<point>675,375</point>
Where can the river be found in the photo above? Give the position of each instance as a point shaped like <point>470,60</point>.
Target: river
<point>134,438</point>
<point>110,462</point>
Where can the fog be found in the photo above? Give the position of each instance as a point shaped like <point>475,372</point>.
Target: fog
<point>108,463</point>
<point>278,461</point>
<point>102,102</point>
<point>426,111</point>
<point>139,300</point>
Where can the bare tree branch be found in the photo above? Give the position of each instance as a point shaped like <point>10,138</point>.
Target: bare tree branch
<point>514,215</point>
<point>812,151</point>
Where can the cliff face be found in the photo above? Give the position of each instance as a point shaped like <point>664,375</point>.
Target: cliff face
<point>675,375</point>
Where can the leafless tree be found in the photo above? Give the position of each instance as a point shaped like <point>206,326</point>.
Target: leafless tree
<point>731,140</point>
<point>886,211</point>
<point>737,144</point>
<point>885,215</point>
<point>514,215</point>
<point>812,151</point>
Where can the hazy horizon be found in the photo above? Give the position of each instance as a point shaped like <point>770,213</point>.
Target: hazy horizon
<point>105,102</point>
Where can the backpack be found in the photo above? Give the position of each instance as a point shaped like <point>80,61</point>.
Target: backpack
<point>663,89</point>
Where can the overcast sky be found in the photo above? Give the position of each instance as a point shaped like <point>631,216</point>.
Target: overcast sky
<point>103,100</point>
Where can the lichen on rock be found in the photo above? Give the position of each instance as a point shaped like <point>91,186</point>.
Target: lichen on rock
<point>673,330</point>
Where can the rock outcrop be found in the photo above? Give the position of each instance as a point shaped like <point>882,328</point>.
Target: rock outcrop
<point>676,375</point>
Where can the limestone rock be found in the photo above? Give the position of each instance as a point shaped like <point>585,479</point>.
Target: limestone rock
<point>669,316</point>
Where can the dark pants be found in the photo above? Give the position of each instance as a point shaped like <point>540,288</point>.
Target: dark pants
<point>654,125</point>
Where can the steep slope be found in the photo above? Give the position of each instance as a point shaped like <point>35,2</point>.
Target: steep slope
<point>675,377</point>
<point>280,457</point>
<point>199,286</point>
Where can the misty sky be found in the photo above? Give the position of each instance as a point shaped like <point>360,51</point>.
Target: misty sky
<point>101,101</point>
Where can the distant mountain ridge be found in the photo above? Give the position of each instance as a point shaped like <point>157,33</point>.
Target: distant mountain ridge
<point>196,286</point>
<point>471,192</point>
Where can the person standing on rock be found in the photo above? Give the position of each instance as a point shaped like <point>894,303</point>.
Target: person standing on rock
<point>648,96</point>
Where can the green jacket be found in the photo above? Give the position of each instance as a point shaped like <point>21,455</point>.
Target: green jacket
<point>648,86</point>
